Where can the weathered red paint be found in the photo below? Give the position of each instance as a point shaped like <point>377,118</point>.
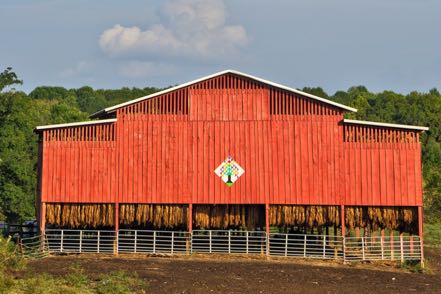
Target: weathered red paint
<point>294,150</point>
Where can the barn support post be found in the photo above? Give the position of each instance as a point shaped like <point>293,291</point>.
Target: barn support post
<point>401,248</point>
<point>115,242</point>
<point>190,228</point>
<point>421,233</point>
<point>42,219</point>
<point>190,218</point>
<point>382,243</point>
<point>267,223</point>
<point>267,228</point>
<point>392,245</point>
<point>343,230</point>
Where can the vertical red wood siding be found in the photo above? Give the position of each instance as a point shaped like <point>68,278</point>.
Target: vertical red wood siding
<point>383,166</point>
<point>79,164</point>
<point>294,150</point>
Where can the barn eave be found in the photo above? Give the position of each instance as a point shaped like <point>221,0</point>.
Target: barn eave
<point>387,125</point>
<point>74,124</point>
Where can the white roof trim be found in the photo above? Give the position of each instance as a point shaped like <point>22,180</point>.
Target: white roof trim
<point>76,124</point>
<point>113,108</point>
<point>372,123</point>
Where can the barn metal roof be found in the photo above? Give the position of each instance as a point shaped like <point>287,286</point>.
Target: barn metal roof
<point>380,124</point>
<point>75,124</point>
<point>115,107</point>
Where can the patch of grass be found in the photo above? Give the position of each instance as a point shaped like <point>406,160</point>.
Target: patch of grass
<point>8,257</point>
<point>414,266</point>
<point>119,282</point>
<point>76,277</point>
<point>432,234</point>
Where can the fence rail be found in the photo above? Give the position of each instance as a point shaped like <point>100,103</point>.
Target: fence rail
<point>34,247</point>
<point>234,242</point>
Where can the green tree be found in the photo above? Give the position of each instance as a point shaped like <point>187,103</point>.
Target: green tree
<point>89,100</point>
<point>317,91</point>
<point>50,93</point>
<point>19,114</point>
<point>8,78</point>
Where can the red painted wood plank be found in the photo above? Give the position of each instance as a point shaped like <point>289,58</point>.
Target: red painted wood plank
<point>211,162</point>
<point>54,182</point>
<point>403,176</point>
<point>389,177</point>
<point>347,176</point>
<point>411,172</point>
<point>184,159</point>
<point>140,159</point>
<point>364,175</point>
<point>309,133</point>
<point>178,187</point>
<point>198,158</point>
<point>267,162</point>
<point>298,161</point>
<point>375,165</point>
<point>260,164</point>
<point>253,155</point>
<point>418,198</point>
<point>398,196</point>
<point>368,162</point>
<point>164,163</point>
<point>316,167</point>
<point>154,162</point>
<point>274,162</point>
<point>285,161</point>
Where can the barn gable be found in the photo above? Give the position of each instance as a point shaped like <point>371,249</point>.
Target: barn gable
<point>228,95</point>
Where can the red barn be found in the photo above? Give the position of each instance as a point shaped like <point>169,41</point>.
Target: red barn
<point>282,147</point>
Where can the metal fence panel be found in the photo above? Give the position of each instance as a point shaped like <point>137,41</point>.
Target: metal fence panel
<point>222,241</point>
<point>388,248</point>
<point>400,248</point>
<point>301,245</point>
<point>80,241</point>
<point>145,241</point>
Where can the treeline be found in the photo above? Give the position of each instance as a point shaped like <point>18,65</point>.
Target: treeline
<point>21,112</point>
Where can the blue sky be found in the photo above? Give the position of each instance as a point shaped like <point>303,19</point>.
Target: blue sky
<point>393,44</point>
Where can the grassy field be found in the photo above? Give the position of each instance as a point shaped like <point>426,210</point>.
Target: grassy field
<point>432,235</point>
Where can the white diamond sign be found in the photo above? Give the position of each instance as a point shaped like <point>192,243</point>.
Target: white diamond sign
<point>229,171</point>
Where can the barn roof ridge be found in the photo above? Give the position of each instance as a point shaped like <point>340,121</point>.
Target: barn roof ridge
<point>75,124</point>
<point>264,81</point>
<point>388,125</point>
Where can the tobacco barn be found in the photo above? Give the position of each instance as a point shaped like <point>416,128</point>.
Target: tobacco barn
<point>231,151</point>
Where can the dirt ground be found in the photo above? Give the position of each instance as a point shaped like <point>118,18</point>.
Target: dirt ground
<point>223,274</point>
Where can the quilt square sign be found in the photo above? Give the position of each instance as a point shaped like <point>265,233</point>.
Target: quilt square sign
<point>229,171</point>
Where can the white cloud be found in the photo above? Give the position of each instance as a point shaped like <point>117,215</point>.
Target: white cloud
<point>80,67</point>
<point>190,28</point>
<point>136,69</point>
